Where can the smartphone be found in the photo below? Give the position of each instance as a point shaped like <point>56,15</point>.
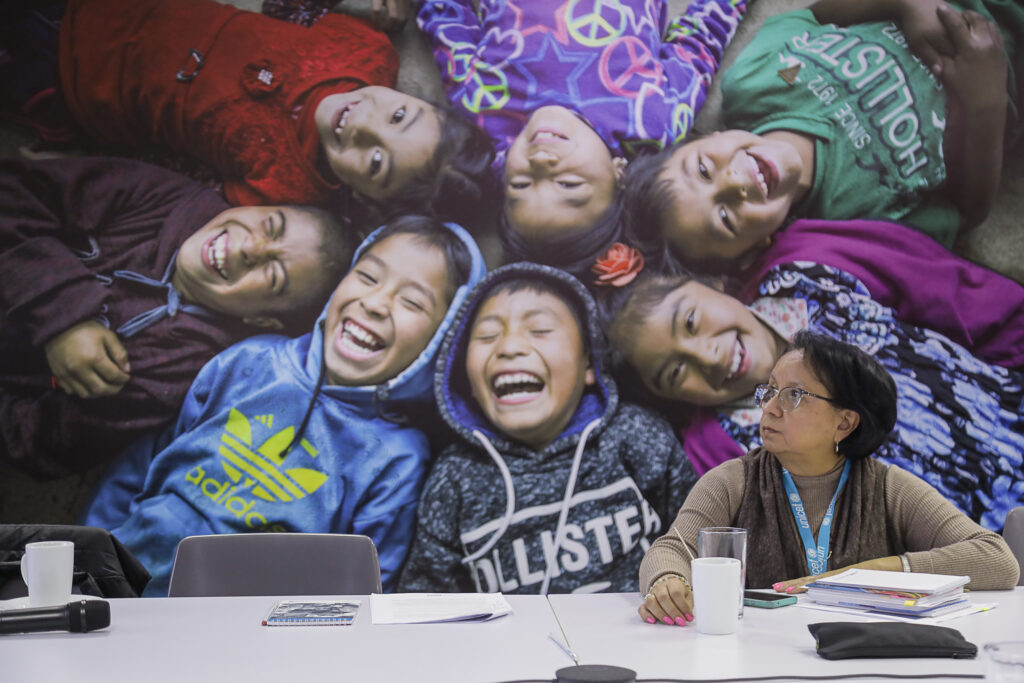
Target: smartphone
<point>766,599</point>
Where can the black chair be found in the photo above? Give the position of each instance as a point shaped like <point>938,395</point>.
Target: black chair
<point>103,567</point>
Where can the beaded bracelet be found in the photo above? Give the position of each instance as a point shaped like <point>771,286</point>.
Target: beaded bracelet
<point>666,577</point>
<point>905,562</point>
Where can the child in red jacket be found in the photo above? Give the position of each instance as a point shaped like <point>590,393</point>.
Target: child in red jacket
<point>284,113</point>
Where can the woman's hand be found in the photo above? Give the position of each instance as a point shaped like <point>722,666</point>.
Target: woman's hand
<point>670,602</point>
<point>794,586</point>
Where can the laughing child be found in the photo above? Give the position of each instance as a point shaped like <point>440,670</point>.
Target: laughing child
<point>300,434</point>
<point>959,426</point>
<point>869,120</point>
<point>284,113</point>
<point>118,281</point>
<point>552,486</point>
<point>568,91</point>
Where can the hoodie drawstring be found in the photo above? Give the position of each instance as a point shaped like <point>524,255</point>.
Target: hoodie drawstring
<point>309,409</point>
<point>169,310</point>
<point>566,502</point>
<point>510,498</point>
<point>510,502</point>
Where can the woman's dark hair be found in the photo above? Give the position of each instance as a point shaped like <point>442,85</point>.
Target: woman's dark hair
<point>457,183</point>
<point>433,233</point>
<point>856,381</point>
<point>574,251</point>
<point>336,247</point>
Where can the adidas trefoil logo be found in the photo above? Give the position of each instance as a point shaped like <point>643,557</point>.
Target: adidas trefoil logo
<point>256,473</point>
<point>263,465</point>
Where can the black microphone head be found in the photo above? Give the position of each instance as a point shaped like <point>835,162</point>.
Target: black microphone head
<point>88,615</point>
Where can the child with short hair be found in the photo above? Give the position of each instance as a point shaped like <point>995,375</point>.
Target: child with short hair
<point>118,281</point>
<point>283,112</point>
<point>297,435</point>
<point>569,91</point>
<point>552,485</point>
<point>856,120</point>
<point>958,367</point>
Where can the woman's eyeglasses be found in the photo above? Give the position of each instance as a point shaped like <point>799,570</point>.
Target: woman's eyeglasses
<point>789,397</point>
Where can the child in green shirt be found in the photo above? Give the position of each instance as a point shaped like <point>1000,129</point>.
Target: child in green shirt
<point>871,120</point>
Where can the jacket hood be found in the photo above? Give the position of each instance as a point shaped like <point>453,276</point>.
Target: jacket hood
<point>453,396</point>
<point>412,385</point>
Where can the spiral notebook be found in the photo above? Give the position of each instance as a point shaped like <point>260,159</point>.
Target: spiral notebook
<point>312,613</point>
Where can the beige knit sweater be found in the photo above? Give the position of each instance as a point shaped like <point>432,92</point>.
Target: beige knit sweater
<point>940,538</point>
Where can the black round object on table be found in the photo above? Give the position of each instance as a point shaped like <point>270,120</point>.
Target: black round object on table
<point>595,673</point>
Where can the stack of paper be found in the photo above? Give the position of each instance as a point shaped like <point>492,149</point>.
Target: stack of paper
<point>426,608</point>
<point>907,594</point>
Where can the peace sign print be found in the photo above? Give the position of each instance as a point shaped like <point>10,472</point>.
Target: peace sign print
<point>460,62</point>
<point>627,65</point>
<point>682,121</point>
<point>487,90</point>
<point>595,23</point>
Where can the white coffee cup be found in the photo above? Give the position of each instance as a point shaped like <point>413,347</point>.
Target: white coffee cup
<point>715,583</point>
<point>46,567</point>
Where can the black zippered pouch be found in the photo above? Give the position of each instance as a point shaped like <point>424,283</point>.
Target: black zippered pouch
<point>849,640</point>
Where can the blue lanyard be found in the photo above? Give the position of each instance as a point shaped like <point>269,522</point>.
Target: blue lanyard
<point>817,553</point>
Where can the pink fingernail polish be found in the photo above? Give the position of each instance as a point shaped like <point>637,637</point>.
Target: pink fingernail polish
<point>689,617</point>
<point>651,620</point>
<point>680,621</point>
<point>668,620</point>
<point>791,589</point>
<point>777,586</point>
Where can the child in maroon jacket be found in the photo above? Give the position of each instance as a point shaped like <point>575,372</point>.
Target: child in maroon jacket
<point>285,113</point>
<point>118,281</point>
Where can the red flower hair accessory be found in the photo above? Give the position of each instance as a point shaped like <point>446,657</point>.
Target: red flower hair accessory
<point>618,266</point>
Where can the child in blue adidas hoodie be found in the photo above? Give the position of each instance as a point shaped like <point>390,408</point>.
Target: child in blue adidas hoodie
<point>301,435</point>
<point>552,485</point>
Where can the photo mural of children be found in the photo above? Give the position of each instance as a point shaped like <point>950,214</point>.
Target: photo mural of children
<point>306,434</point>
<point>842,121</point>
<point>284,113</point>
<point>960,423</point>
<point>118,281</point>
<point>569,91</point>
<point>551,484</point>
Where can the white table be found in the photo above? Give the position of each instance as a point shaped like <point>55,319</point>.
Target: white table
<point>605,629</point>
<point>194,640</point>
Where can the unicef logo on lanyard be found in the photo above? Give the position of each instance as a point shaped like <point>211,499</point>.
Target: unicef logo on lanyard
<point>817,552</point>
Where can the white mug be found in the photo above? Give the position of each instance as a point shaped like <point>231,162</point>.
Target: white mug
<point>46,567</point>
<point>715,583</point>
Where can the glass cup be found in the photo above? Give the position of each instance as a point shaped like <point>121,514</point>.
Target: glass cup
<point>1004,661</point>
<point>726,541</point>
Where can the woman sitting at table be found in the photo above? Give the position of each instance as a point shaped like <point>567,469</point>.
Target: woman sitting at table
<point>826,408</point>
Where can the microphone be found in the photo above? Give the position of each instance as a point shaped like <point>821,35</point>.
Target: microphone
<point>77,617</point>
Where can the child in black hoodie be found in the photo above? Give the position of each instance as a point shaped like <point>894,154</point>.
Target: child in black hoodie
<point>552,486</point>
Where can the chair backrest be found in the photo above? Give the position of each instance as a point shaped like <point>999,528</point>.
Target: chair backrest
<point>275,564</point>
<point>1013,534</point>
